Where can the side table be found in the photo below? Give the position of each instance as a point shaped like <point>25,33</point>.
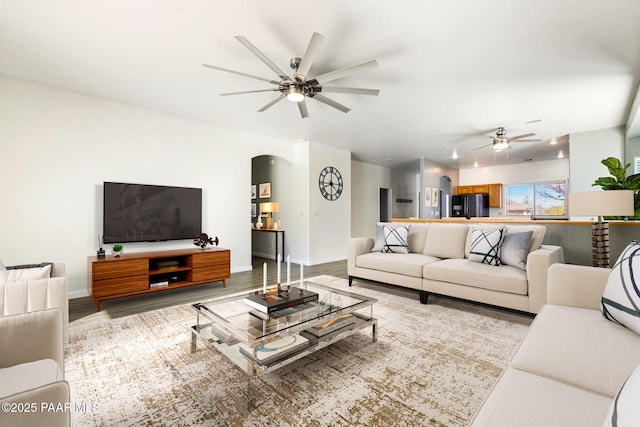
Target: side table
<point>277,234</point>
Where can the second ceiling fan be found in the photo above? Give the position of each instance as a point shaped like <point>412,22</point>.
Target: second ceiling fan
<point>502,142</point>
<point>299,86</point>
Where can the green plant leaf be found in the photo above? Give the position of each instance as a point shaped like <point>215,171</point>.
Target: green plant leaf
<point>615,168</point>
<point>607,183</point>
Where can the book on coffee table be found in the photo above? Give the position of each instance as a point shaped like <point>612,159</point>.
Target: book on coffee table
<point>277,349</point>
<point>274,302</point>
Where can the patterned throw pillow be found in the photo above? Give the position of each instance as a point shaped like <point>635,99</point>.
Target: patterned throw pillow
<point>485,246</point>
<point>396,239</point>
<point>621,298</point>
<point>624,410</point>
<point>515,248</point>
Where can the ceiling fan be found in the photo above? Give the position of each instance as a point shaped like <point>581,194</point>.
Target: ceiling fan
<point>502,142</point>
<point>299,86</point>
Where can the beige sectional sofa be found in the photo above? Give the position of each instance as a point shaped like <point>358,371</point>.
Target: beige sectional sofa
<point>438,261</point>
<point>572,362</point>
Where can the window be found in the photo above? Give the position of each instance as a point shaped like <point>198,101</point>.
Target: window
<point>537,200</point>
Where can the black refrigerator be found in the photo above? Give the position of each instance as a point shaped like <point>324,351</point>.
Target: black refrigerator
<point>470,205</point>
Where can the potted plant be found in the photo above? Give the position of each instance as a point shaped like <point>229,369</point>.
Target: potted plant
<point>116,250</point>
<point>620,181</point>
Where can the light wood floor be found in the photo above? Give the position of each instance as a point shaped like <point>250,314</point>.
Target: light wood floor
<point>83,310</point>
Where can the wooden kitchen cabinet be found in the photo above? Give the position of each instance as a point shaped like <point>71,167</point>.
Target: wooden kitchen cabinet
<point>494,191</point>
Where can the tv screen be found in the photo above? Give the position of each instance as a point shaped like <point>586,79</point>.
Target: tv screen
<point>150,213</point>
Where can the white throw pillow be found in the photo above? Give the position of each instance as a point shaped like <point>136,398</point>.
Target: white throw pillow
<point>378,245</point>
<point>396,239</point>
<point>621,299</point>
<point>485,246</point>
<point>2,267</point>
<point>515,248</point>
<point>20,274</point>
<point>624,410</point>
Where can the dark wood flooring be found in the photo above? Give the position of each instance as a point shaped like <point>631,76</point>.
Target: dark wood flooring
<point>83,310</point>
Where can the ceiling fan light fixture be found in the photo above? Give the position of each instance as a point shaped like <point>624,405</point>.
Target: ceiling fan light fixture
<point>295,94</point>
<point>500,144</point>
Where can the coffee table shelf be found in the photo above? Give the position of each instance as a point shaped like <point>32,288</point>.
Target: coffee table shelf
<point>234,328</point>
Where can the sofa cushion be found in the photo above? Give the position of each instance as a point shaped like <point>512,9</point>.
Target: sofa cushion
<point>526,400</point>
<point>579,347</point>
<point>396,239</point>
<point>537,236</point>
<point>30,273</point>
<point>417,237</point>
<point>2,267</point>
<point>621,298</point>
<point>465,272</point>
<point>485,246</point>
<point>26,376</point>
<point>624,410</point>
<point>515,248</point>
<point>446,240</point>
<point>405,264</point>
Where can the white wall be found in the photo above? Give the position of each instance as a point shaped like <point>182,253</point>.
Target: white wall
<point>366,182</point>
<point>330,221</point>
<point>588,149</point>
<point>57,148</point>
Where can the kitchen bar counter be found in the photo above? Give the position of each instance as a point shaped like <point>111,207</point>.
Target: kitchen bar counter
<point>573,236</point>
<point>513,220</point>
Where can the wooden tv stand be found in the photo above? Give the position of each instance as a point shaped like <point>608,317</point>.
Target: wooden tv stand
<point>145,272</point>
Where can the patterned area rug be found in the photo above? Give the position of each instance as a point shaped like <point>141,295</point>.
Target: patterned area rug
<point>432,365</point>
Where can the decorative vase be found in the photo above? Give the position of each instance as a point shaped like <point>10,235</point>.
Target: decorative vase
<point>117,253</point>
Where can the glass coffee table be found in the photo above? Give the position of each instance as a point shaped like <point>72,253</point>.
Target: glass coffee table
<point>258,343</point>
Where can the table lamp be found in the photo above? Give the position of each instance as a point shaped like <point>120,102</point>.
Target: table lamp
<point>599,204</point>
<point>269,208</point>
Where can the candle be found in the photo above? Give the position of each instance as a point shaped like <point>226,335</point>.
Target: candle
<point>278,262</point>
<point>288,272</point>
<point>301,274</point>
<point>264,278</point>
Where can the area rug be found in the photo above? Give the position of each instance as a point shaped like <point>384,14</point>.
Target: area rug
<point>432,365</point>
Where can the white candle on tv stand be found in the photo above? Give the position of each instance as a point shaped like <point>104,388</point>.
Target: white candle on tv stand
<point>264,278</point>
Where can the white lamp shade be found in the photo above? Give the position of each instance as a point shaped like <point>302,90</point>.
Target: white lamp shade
<point>601,203</point>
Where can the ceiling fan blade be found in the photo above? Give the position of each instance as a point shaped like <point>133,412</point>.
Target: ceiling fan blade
<point>343,72</point>
<point>241,74</point>
<point>352,90</point>
<point>484,146</point>
<point>302,106</point>
<point>310,54</point>
<point>262,57</point>
<point>526,140</point>
<point>270,104</point>
<point>525,135</point>
<point>249,91</point>
<point>331,103</point>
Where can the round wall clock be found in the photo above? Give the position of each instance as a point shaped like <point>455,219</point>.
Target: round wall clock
<point>330,183</point>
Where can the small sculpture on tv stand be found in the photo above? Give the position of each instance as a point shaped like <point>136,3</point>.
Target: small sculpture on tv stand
<point>204,240</point>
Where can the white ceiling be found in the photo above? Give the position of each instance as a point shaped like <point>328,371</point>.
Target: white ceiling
<point>450,72</point>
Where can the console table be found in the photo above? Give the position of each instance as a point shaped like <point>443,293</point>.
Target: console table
<point>277,233</point>
<point>144,272</point>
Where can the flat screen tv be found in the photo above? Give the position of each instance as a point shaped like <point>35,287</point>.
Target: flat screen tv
<point>150,213</point>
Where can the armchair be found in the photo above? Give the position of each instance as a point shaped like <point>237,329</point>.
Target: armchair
<point>32,386</point>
